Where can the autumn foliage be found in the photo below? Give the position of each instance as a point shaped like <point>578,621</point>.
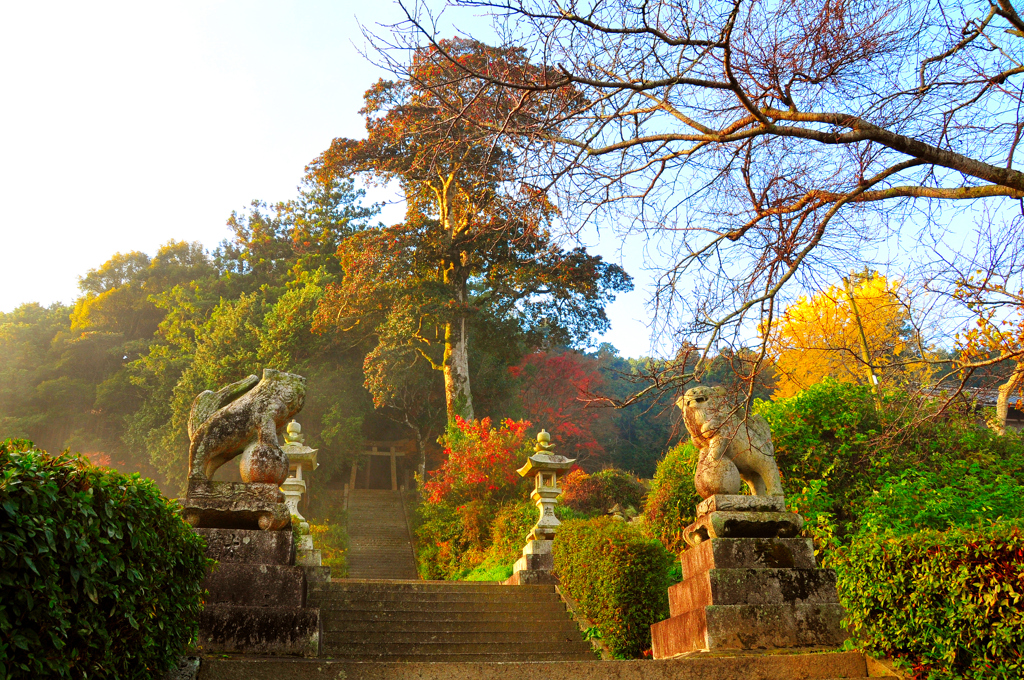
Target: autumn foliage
<point>553,387</point>
<point>480,462</point>
<point>819,336</point>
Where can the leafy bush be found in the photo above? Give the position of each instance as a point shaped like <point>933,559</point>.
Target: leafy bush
<point>618,577</point>
<point>512,523</point>
<point>949,603</point>
<point>480,462</point>
<point>100,574</point>
<point>671,503</point>
<point>597,493</point>
<point>464,498</point>
<point>835,447</point>
<point>924,499</point>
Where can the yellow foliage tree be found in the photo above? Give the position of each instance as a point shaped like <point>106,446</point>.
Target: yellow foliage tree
<point>857,332</point>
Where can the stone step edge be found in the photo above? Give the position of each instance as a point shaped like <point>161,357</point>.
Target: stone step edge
<point>814,666</point>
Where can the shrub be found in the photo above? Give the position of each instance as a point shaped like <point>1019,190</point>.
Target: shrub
<point>618,577</point>
<point>949,603</point>
<point>463,498</point>
<point>480,462</point>
<point>512,523</point>
<point>671,503</point>
<point>835,447</point>
<point>923,499</point>
<point>100,575</point>
<point>595,494</point>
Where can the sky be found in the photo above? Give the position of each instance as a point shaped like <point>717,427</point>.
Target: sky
<point>126,125</point>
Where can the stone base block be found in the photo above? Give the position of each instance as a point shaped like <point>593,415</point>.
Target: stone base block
<point>307,558</point>
<point>240,513</point>
<point>277,631</point>
<point>317,574</point>
<point>750,553</point>
<point>256,585</point>
<point>753,587</point>
<point>741,503</point>
<point>541,562</point>
<point>739,627</point>
<point>231,491</point>
<point>730,524</point>
<point>530,577</point>
<point>249,545</point>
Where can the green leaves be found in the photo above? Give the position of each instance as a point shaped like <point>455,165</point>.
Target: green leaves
<point>947,603</point>
<point>619,578</point>
<point>72,605</point>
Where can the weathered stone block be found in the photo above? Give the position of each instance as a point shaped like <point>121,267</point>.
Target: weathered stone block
<point>753,587</point>
<point>279,631</point>
<point>232,491</point>
<point>741,503</point>
<point>240,513</point>
<point>729,524</point>
<point>317,574</point>
<point>530,577</point>
<point>737,627</point>
<point>308,558</point>
<point>249,545</point>
<point>256,585</point>
<point>541,562</point>
<point>748,553</point>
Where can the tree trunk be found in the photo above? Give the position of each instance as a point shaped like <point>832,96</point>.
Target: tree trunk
<point>457,395</point>
<point>1003,401</point>
<point>865,351</point>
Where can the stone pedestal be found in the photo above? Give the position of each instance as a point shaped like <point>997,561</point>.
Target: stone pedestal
<point>746,587</point>
<point>305,554</point>
<point>235,505</point>
<point>257,595</point>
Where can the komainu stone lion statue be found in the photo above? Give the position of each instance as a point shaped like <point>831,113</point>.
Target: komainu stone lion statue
<point>733,448</point>
<point>244,418</point>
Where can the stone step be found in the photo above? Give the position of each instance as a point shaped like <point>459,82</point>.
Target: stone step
<point>812,666</point>
<point>379,542</point>
<point>438,608</point>
<point>337,645</point>
<point>459,659</point>
<point>508,596</point>
<point>346,585</point>
<point>482,616</point>
<point>437,637</point>
<point>445,626</point>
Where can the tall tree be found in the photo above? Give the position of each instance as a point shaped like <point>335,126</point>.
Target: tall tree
<point>858,332</point>
<point>473,241</point>
<point>769,142</point>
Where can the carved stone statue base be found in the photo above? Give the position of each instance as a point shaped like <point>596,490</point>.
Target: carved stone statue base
<point>749,583</point>
<point>236,505</point>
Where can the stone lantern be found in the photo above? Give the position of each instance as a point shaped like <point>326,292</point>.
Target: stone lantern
<point>545,467</point>
<point>301,459</point>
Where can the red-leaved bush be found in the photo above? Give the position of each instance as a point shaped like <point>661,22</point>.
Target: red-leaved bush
<point>554,389</point>
<point>480,462</point>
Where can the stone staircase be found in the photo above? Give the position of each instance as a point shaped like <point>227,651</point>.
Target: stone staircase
<point>444,622</point>
<point>379,543</point>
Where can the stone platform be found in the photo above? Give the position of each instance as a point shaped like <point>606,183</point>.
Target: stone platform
<point>235,505</point>
<point>703,667</point>
<point>751,589</point>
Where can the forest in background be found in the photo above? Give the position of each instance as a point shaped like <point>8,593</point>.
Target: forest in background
<point>113,375</point>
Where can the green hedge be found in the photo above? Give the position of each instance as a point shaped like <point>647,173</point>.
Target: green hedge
<point>596,494</point>
<point>949,603</point>
<point>99,573</point>
<point>617,576</point>
<point>671,503</point>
